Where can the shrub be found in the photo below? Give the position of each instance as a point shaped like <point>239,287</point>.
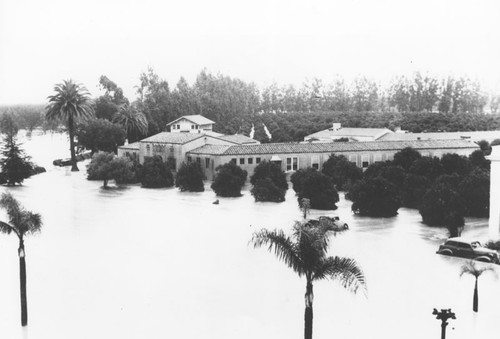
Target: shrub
<point>298,177</point>
<point>229,179</point>
<point>442,206</point>
<point>414,189</point>
<point>375,197</point>
<point>190,177</point>
<point>477,159</point>
<point>267,169</point>
<point>106,166</point>
<point>343,172</point>
<point>155,173</point>
<point>427,167</point>
<point>454,163</point>
<point>320,191</point>
<point>386,170</point>
<point>266,190</point>
<point>475,191</point>
<point>406,157</point>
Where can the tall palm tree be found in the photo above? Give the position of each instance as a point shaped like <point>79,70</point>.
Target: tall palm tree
<point>470,267</point>
<point>21,222</point>
<point>305,253</point>
<point>134,122</point>
<point>71,102</point>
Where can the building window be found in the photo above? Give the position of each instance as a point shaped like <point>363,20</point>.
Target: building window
<point>173,163</point>
<point>242,161</point>
<point>178,126</point>
<point>250,161</point>
<point>292,163</point>
<point>192,126</point>
<point>207,162</point>
<point>365,161</point>
<point>189,158</point>
<point>315,161</point>
<point>257,160</point>
<point>148,149</point>
<point>197,127</point>
<point>233,160</point>
<point>198,160</point>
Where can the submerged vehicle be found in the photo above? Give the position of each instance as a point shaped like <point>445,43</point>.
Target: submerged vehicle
<point>471,249</point>
<point>335,223</point>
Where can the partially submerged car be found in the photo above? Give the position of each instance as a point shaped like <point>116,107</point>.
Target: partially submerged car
<point>334,223</point>
<point>461,247</point>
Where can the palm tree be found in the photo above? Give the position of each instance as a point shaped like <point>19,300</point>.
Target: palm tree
<point>21,222</point>
<point>305,253</point>
<point>470,268</point>
<point>134,122</point>
<point>71,101</point>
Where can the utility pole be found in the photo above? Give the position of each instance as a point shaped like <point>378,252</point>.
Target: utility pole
<point>444,315</point>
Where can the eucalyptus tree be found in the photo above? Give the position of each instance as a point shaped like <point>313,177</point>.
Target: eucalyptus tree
<point>70,102</point>
<point>305,252</point>
<point>21,223</point>
<point>470,267</point>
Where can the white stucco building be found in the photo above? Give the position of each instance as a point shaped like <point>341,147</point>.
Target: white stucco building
<point>494,222</point>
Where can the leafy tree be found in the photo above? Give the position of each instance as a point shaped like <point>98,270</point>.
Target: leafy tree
<point>320,191</point>
<point>485,147</point>
<point>8,125</point>
<point>477,160</point>
<point>386,170</point>
<point>454,163</point>
<point>414,189</point>
<point>406,157</point>
<point>21,223</point>
<point>305,252</point>
<point>343,172</point>
<point>133,121</point>
<point>267,169</point>
<point>428,167</point>
<point>442,206</point>
<point>100,135</point>
<point>266,190</point>
<point>471,268</point>
<point>229,179</point>
<point>190,177</point>
<point>106,166</point>
<point>475,191</point>
<point>375,197</point>
<point>450,180</point>
<point>297,178</point>
<point>156,173</point>
<point>70,102</point>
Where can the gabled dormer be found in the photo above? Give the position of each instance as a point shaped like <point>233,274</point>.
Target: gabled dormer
<point>191,124</point>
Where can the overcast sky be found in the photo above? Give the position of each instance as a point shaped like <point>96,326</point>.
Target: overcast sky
<point>44,42</point>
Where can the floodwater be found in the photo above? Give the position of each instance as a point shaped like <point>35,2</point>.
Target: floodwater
<point>146,263</point>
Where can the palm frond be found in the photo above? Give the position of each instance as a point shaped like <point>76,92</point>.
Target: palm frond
<point>472,268</point>
<point>344,270</point>
<point>282,246</point>
<point>5,228</point>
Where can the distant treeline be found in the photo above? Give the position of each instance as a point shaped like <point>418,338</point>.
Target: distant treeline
<point>417,103</point>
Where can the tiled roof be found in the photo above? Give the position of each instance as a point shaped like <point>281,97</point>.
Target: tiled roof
<point>331,147</point>
<point>349,132</point>
<point>210,149</point>
<point>173,138</point>
<point>239,139</point>
<point>474,135</point>
<point>197,119</point>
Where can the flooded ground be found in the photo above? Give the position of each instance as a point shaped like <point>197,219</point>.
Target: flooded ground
<point>143,263</point>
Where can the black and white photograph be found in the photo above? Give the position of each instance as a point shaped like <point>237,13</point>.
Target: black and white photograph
<point>249,169</point>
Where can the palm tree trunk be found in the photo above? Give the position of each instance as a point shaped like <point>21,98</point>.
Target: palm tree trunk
<point>22,276</point>
<point>475,301</point>
<point>74,167</point>
<point>308,316</point>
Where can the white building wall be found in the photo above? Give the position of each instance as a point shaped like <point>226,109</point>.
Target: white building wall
<point>494,222</point>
